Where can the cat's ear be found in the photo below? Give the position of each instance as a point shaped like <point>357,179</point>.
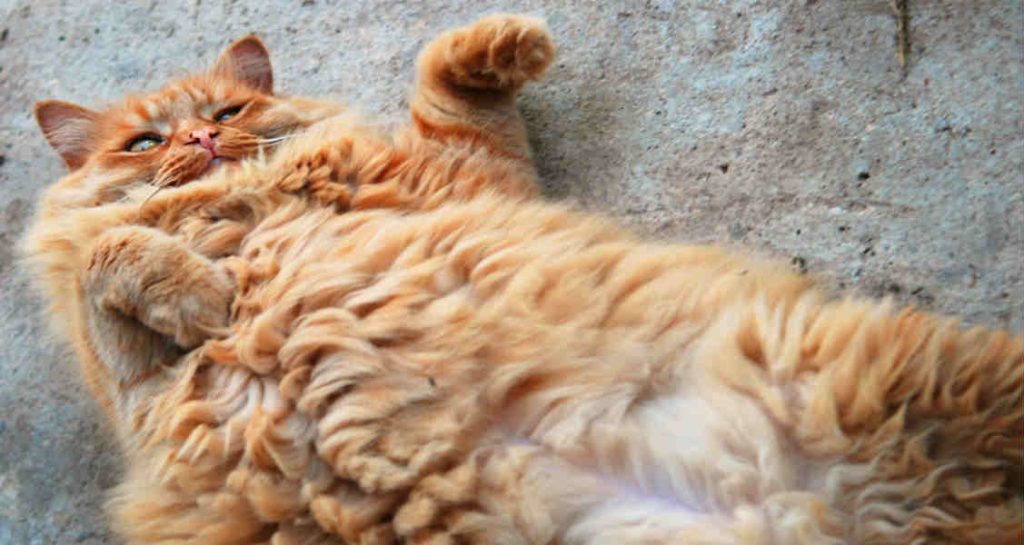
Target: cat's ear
<point>248,61</point>
<point>70,129</point>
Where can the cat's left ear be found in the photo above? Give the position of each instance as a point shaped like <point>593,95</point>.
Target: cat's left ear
<point>70,129</point>
<point>248,61</point>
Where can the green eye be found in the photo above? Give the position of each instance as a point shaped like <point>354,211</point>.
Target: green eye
<point>227,113</point>
<point>144,143</point>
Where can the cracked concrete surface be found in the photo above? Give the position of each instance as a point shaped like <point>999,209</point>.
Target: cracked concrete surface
<point>783,126</point>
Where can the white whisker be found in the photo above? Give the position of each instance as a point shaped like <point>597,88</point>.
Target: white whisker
<point>159,188</point>
<point>277,139</point>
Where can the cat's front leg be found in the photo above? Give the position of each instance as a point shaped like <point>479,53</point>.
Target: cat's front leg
<point>468,78</point>
<point>150,297</point>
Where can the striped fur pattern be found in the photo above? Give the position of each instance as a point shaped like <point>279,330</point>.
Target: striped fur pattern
<point>366,336</point>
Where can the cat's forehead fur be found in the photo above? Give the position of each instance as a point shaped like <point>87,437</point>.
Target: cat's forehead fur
<point>197,95</point>
<point>242,72</point>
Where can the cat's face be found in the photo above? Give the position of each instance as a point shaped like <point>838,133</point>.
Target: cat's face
<point>174,136</point>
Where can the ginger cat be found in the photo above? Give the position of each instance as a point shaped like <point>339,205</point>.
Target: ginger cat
<point>306,330</point>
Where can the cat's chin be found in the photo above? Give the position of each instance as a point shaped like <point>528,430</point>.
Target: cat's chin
<point>214,165</point>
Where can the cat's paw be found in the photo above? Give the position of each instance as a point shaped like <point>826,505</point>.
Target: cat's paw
<point>198,309</point>
<point>500,52</point>
<point>157,280</point>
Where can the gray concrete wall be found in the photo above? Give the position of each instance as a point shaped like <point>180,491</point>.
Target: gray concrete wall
<point>782,126</point>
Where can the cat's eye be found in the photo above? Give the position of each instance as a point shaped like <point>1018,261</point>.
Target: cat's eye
<point>145,142</point>
<point>227,113</point>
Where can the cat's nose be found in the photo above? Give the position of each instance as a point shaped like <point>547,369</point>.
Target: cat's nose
<point>204,137</point>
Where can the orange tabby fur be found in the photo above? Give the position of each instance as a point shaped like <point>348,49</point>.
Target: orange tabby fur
<point>397,340</point>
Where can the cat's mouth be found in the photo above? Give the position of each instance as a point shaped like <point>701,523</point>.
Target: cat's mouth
<point>193,163</point>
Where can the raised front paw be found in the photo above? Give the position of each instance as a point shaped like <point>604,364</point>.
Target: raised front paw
<point>500,52</point>
<point>152,277</point>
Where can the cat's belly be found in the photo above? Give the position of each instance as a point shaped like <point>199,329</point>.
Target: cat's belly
<point>482,332</point>
<point>700,446</point>
<point>701,462</point>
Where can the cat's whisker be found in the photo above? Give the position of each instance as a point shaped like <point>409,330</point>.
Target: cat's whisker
<point>264,143</point>
<point>158,189</point>
<point>275,139</point>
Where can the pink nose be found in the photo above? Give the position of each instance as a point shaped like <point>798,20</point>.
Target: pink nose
<point>204,137</point>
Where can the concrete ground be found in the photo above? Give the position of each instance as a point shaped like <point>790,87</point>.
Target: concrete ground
<point>785,126</point>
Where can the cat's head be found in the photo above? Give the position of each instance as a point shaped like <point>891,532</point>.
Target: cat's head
<point>176,135</point>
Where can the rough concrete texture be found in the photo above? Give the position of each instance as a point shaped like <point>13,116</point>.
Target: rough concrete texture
<point>784,126</point>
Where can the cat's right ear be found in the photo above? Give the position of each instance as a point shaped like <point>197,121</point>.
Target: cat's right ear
<point>70,129</point>
<point>248,61</point>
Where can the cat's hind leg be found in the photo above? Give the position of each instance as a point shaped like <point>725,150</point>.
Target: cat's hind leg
<point>468,78</point>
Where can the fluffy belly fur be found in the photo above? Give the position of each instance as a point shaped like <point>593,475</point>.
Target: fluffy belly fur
<point>506,371</point>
